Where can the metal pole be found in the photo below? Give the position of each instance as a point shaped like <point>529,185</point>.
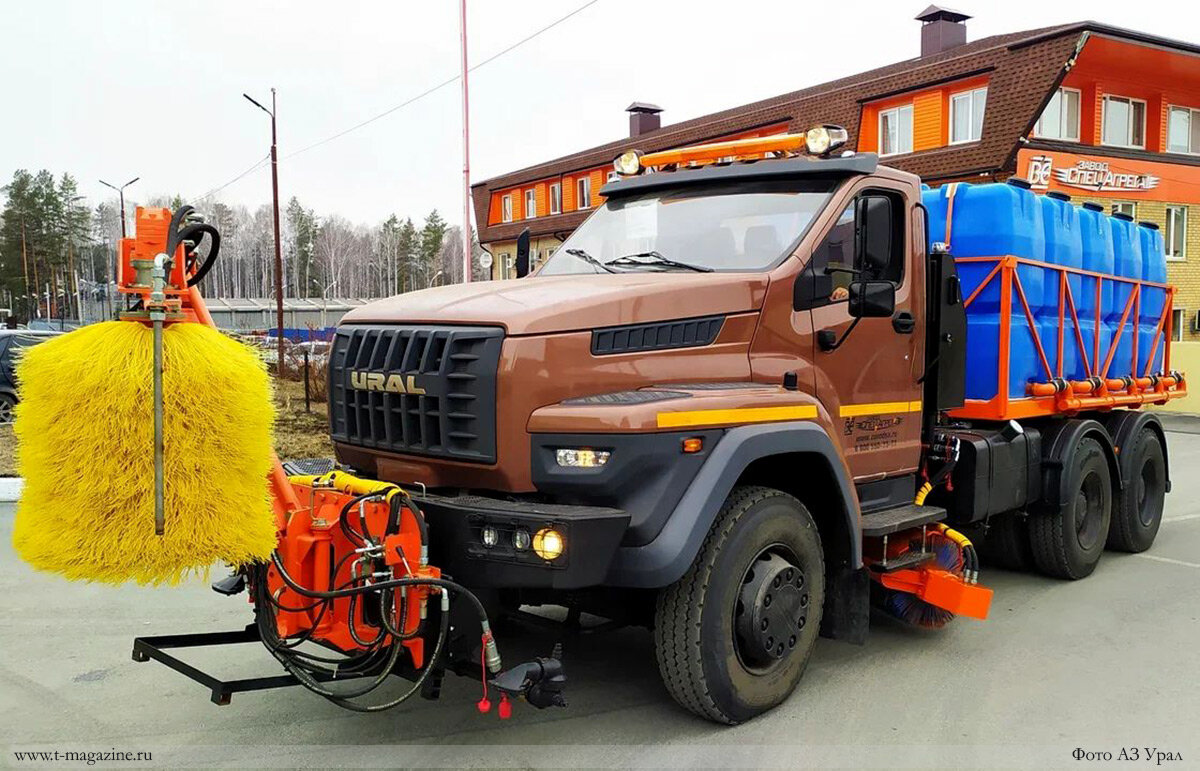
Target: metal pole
<point>307,402</point>
<point>278,253</point>
<point>466,226</point>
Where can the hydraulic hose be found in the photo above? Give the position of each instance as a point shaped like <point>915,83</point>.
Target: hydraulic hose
<point>493,656</point>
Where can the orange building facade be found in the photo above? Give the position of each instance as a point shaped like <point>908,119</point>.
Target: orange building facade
<point>1100,113</point>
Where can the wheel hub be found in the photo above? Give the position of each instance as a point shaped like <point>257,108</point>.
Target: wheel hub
<point>772,609</point>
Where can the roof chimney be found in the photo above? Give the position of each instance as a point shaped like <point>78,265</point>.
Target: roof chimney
<point>643,118</point>
<point>941,29</point>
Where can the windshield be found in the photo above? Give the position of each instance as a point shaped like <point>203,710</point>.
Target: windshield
<point>747,226</point>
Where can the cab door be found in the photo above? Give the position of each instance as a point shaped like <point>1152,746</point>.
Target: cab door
<point>867,368</point>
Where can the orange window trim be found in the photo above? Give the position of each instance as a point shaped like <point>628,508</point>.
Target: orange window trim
<point>931,114</point>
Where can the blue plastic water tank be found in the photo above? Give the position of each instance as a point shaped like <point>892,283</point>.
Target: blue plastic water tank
<point>994,220</point>
<point>1154,299</point>
<point>1127,252</point>
<point>1097,237</point>
<point>1064,246</point>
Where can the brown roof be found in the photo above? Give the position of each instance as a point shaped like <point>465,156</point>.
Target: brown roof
<point>1024,68</point>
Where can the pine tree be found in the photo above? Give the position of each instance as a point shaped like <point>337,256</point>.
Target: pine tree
<point>432,235</point>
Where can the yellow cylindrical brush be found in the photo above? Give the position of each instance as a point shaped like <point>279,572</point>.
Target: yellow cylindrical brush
<point>85,446</point>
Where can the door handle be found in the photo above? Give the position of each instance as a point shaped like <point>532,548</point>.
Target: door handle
<point>903,322</point>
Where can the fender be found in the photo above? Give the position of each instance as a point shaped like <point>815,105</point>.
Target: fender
<point>1123,425</point>
<point>1059,439</point>
<point>665,559</point>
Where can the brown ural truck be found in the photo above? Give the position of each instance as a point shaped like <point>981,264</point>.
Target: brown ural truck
<point>710,410</point>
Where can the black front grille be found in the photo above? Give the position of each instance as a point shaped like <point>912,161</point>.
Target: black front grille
<point>425,390</point>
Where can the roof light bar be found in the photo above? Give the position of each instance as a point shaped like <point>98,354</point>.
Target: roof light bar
<point>819,140</point>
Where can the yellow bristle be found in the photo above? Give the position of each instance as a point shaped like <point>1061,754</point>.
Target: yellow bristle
<point>85,446</point>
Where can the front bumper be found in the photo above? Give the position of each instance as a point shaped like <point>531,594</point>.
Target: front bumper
<point>591,535</point>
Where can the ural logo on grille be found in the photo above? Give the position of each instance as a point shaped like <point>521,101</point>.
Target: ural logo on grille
<point>377,381</point>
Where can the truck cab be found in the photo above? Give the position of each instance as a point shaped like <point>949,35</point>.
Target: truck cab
<point>711,411</point>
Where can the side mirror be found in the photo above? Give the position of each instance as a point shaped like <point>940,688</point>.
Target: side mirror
<point>811,286</point>
<point>873,236</point>
<point>523,254</point>
<point>872,299</point>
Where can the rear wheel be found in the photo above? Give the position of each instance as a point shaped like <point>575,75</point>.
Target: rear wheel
<point>7,403</point>
<point>1068,539</point>
<point>1138,510</point>
<point>733,636</point>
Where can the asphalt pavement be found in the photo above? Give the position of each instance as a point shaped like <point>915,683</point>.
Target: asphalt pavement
<point>1098,666</point>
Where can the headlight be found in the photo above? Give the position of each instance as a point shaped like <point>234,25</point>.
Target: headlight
<point>824,139</point>
<point>548,543</point>
<point>489,536</point>
<point>628,163</point>
<point>520,539</point>
<point>583,457</point>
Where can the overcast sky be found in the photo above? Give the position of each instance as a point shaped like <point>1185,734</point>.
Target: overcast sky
<point>122,88</point>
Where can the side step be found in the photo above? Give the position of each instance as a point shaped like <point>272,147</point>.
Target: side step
<point>877,524</point>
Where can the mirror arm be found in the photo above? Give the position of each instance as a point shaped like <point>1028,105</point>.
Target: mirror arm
<point>831,347</point>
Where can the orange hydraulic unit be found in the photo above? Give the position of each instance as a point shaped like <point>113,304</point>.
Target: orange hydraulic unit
<point>334,542</point>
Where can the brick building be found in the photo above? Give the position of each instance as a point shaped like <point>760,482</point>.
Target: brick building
<point>1098,112</point>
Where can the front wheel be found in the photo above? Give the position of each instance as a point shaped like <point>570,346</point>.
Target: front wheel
<point>733,636</point>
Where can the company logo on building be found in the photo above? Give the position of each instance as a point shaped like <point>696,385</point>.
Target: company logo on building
<point>1096,176</point>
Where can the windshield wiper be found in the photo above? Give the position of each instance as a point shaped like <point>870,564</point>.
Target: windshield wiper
<point>589,259</point>
<point>657,259</point>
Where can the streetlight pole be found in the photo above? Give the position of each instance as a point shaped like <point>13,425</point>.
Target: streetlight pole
<point>111,269</point>
<point>278,253</point>
<point>466,226</point>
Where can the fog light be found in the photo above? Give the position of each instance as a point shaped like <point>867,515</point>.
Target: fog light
<point>489,536</point>
<point>521,539</point>
<point>583,457</point>
<point>548,543</point>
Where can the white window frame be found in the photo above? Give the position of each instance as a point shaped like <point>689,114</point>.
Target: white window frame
<point>1062,115</point>
<point>1133,204</point>
<point>556,198</point>
<point>506,207</point>
<point>969,96</point>
<point>1129,126</point>
<point>1178,328</point>
<point>583,193</point>
<point>896,111</point>
<point>1168,233</point>
<point>1193,116</point>
<point>506,266</point>
<point>530,204</point>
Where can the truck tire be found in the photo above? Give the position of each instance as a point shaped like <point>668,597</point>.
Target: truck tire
<point>1006,543</point>
<point>1068,539</point>
<point>733,636</point>
<point>1138,510</point>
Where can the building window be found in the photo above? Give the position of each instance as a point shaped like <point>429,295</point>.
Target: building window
<point>556,198</point>
<point>583,193</point>
<point>1125,207</point>
<point>1183,130</point>
<point>1060,119</point>
<point>506,266</point>
<point>530,205</point>
<point>1178,321</point>
<point>506,208</point>
<point>1124,122</point>
<point>966,115</point>
<point>1175,237</point>
<point>896,130</point>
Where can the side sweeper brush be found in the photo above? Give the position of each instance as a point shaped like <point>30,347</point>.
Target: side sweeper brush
<point>146,447</point>
<point>85,427</point>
